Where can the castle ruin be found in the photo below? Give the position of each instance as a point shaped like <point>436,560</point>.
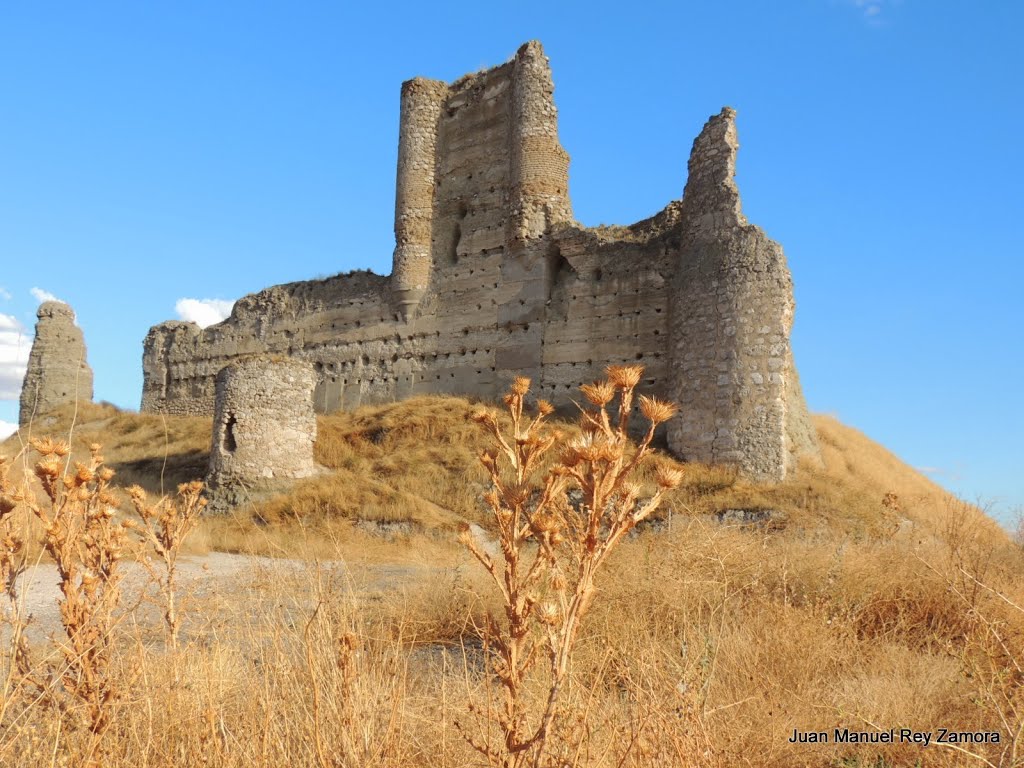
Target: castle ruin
<point>57,371</point>
<point>492,278</point>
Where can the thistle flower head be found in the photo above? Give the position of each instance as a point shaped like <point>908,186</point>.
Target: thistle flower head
<point>484,417</point>
<point>624,376</point>
<point>668,477</point>
<point>489,458</point>
<point>600,393</point>
<point>48,467</point>
<point>543,522</point>
<point>656,411</point>
<point>608,452</point>
<point>47,446</point>
<point>630,489</point>
<point>548,613</point>
<point>520,385</point>
<point>83,474</point>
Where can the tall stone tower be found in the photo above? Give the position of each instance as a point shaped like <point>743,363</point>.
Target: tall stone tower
<point>479,167</point>
<point>58,372</point>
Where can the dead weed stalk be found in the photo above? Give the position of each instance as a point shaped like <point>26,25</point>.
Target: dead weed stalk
<point>164,527</point>
<point>553,545</point>
<point>86,544</point>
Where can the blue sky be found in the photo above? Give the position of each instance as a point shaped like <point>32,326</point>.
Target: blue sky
<point>151,153</point>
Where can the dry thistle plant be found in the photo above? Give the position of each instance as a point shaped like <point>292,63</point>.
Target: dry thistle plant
<point>85,542</point>
<point>164,526</point>
<point>12,566</point>
<point>551,547</point>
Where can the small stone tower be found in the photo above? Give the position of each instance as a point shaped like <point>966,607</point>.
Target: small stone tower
<point>263,428</point>
<point>57,369</point>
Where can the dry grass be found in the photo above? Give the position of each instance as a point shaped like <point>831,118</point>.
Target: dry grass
<point>871,598</point>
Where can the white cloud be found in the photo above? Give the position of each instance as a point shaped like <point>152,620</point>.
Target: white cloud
<point>203,312</point>
<point>872,10</point>
<point>5,294</point>
<point>15,344</point>
<point>955,474</point>
<point>41,295</point>
<point>7,429</point>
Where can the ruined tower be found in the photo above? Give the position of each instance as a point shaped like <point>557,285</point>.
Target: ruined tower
<point>57,372</point>
<point>733,370</point>
<point>264,428</point>
<point>479,167</point>
<point>492,278</point>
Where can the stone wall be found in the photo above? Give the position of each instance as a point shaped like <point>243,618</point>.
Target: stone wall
<point>57,372</point>
<point>264,427</point>
<point>493,278</point>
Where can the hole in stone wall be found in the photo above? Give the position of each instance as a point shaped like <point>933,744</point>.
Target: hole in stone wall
<point>228,442</point>
<point>559,271</point>
<point>598,274</point>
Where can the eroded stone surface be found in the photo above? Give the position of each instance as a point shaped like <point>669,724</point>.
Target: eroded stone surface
<point>58,372</point>
<point>493,278</point>
<point>264,428</point>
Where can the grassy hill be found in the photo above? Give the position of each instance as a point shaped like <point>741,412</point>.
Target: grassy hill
<point>862,596</point>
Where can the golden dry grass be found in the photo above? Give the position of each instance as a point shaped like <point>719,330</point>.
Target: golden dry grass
<point>706,646</point>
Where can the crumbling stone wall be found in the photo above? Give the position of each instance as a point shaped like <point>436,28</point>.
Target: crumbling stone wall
<point>58,371</point>
<point>492,278</point>
<point>264,427</point>
<point>733,366</point>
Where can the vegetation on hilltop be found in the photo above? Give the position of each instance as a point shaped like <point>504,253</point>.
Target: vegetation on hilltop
<point>867,599</point>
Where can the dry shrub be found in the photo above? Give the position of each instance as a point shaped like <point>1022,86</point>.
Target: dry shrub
<point>164,527</point>
<point>552,548</point>
<point>86,679</point>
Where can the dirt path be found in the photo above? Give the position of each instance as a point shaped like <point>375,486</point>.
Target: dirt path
<point>227,582</point>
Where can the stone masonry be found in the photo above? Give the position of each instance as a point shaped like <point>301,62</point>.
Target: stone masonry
<point>493,277</point>
<point>264,428</point>
<point>57,370</point>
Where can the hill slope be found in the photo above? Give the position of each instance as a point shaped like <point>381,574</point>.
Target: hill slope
<point>862,596</point>
<point>416,462</point>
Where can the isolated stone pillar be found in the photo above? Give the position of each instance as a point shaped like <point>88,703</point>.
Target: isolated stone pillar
<point>58,372</point>
<point>264,428</point>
